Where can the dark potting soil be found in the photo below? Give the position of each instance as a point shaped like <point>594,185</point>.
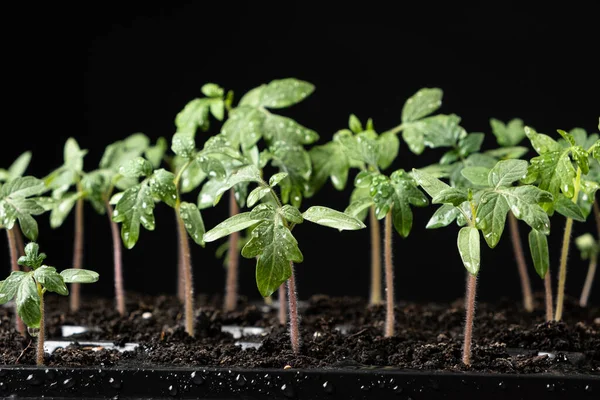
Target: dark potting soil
<point>506,339</point>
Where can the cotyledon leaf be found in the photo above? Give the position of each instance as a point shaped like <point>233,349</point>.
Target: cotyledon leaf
<point>192,220</point>
<point>73,275</point>
<point>331,218</point>
<point>232,224</point>
<point>538,246</point>
<point>469,249</point>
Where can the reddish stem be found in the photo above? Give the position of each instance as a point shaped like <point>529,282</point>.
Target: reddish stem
<point>597,215</point>
<point>293,308</point>
<point>231,286</point>
<point>187,276</point>
<point>375,297</point>
<point>77,254</point>
<point>180,267</point>
<point>117,260</point>
<point>389,277</point>
<point>282,310</point>
<point>471,292</point>
<point>548,297</point>
<point>587,287</point>
<point>19,240</point>
<point>14,266</point>
<point>521,264</point>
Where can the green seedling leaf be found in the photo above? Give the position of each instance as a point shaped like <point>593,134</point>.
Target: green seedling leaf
<point>506,172</point>
<point>568,208</point>
<point>332,218</point>
<point>282,93</point>
<point>232,224</point>
<point>212,90</point>
<point>359,207</point>
<point>17,168</point>
<point>28,302</point>
<point>429,183</point>
<point>504,153</point>
<point>62,208</point>
<point>469,249</point>
<point>443,216</point>
<point>191,177</point>
<point>162,187</point>
<point>156,153</point>
<point>257,194</point>
<point>538,245</point>
<point>51,280</point>
<point>389,144</point>
<point>295,161</point>
<point>279,128</point>
<point>421,104</point>
<point>244,127</point>
<point>291,214</point>
<point>73,275</point>
<point>192,220</point>
<point>136,168</point>
<point>118,153</point>
<point>478,176</point>
<point>33,258</point>
<point>491,217</point>
<point>134,208</point>
<point>509,134</point>
<point>329,161</point>
<point>278,177</point>
<point>450,196</point>
<point>247,173</point>
<point>354,124</point>
<point>183,145</point>
<point>275,247</point>
<point>73,155</point>
<point>9,286</point>
<point>470,144</point>
<point>22,187</point>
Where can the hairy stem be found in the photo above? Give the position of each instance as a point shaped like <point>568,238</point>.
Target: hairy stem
<point>548,297</point>
<point>42,331</point>
<point>375,297</point>
<point>14,266</point>
<point>231,286</point>
<point>293,309</point>
<point>389,276</point>
<point>187,275</point>
<point>117,261</point>
<point>180,269</point>
<point>470,310</point>
<point>587,287</point>
<point>564,254</point>
<point>562,272</point>
<point>19,240</point>
<point>521,264</point>
<point>74,298</point>
<point>282,310</point>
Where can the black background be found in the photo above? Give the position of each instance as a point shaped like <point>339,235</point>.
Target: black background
<point>105,71</point>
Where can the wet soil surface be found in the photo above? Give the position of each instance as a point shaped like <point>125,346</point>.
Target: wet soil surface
<point>506,339</point>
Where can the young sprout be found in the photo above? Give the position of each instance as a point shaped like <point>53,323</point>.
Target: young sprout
<point>194,116</point>
<point>484,207</point>
<point>366,150</point>
<point>508,137</point>
<point>60,180</point>
<point>99,186</point>
<point>272,243</point>
<point>18,203</point>
<point>561,169</point>
<point>392,197</point>
<point>250,125</point>
<point>589,248</point>
<point>29,289</point>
